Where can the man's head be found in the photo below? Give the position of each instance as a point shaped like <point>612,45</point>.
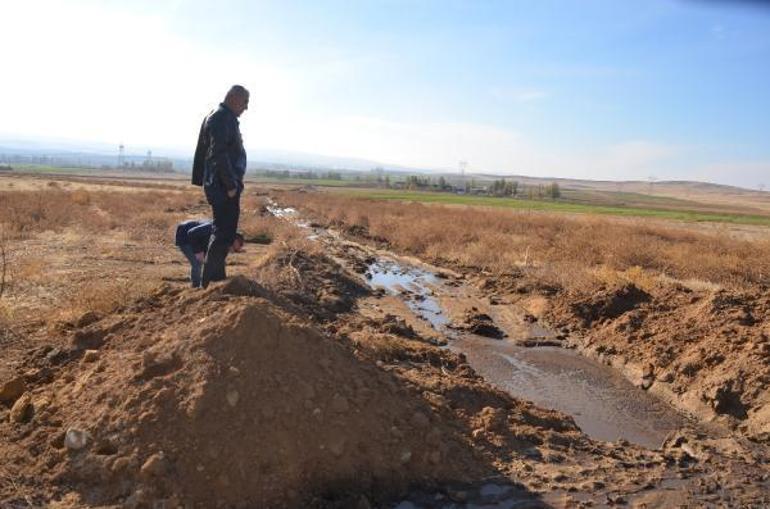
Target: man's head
<point>237,99</point>
<point>237,245</point>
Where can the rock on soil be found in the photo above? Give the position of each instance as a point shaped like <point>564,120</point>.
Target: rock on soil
<point>481,324</point>
<point>11,390</point>
<point>21,411</point>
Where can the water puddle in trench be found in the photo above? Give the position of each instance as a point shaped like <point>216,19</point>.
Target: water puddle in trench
<point>603,403</point>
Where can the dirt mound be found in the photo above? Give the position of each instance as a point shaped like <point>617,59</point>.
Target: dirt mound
<point>310,283</point>
<point>216,399</point>
<point>479,323</point>
<point>609,304</point>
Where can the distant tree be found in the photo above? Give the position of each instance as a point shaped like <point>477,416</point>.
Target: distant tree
<point>553,191</point>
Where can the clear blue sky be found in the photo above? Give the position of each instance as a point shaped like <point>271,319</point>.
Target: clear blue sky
<point>676,89</point>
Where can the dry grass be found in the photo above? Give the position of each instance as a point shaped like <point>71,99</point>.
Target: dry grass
<point>38,227</point>
<point>101,296</point>
<point>23,213</point>
<point>572,251</point>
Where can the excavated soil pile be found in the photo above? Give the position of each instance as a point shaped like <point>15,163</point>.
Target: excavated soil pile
<point>310,283</point>
<point>221,399</point>
<point>709,348</point>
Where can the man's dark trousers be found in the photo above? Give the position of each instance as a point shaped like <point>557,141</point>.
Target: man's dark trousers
<point>226,212</point>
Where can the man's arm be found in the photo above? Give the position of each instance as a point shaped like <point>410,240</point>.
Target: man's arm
<point>220,135</point>
<point>200,156</point>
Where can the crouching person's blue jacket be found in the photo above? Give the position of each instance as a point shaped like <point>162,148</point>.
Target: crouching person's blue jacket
<point>194,233</point>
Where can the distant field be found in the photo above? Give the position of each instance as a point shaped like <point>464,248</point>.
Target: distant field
<point>563,206</point>
<point>42,168</point>
<point>307,182</point>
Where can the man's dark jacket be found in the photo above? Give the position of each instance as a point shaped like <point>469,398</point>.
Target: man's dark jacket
<point>195,233</point>
<point>220,160</point>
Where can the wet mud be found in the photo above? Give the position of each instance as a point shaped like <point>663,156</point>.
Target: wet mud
<point>604,404</point>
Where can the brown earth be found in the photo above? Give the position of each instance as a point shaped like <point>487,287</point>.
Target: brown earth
<point>708,350</point>
<point>702,346</point>
<point>296,386</point>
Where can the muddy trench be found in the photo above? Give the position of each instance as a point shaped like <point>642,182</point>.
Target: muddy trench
<point>604,404</point>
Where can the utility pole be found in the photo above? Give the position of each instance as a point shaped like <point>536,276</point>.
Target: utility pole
<point>121,155</point>
<point>462,165</point>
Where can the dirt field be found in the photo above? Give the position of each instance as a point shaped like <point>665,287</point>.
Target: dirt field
<point>302,383</point>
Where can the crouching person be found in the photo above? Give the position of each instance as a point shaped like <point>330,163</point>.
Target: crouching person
<point>192,239</point>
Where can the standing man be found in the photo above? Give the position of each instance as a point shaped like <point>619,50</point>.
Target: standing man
<point>219,166</point>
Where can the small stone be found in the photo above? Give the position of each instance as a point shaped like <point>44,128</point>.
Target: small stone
<point>121,464</point>
<point>155,466</point>
<point>232,397</point>
<point>234,371</point>
<point>667,376</point>
<point>396,432</point>
<point>75,439</point>
<point>90,355</point>
<point>405,456</point>
<point>12,390</point>
<point>55,355</point>
<point>22,410</point>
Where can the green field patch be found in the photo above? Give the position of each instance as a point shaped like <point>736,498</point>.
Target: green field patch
<point>561,206</point>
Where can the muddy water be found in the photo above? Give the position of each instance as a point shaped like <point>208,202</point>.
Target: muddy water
<point>602,402</point>
<point>414,285</point>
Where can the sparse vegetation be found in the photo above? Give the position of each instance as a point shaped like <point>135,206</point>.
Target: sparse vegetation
<point>566,248</point>
<point>26,212</point>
